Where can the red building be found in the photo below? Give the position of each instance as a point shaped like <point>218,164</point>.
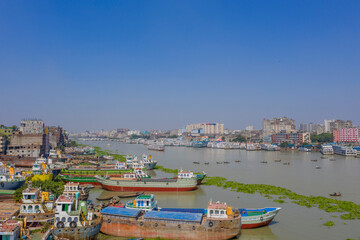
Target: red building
<point>346,135</point>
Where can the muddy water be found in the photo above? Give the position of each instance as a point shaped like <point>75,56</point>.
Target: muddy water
<point>301,176</point>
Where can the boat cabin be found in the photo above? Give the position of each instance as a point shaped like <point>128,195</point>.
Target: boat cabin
<point>120,165</point>
<point>218,210</point>
<point>145,202</point>
<point>71,188</point>
<point>129,175</point>
<point>146,158</point>
<point>129,159</point>
<point>183,174</point>
<point>10,230</point>
<point>34,201</point>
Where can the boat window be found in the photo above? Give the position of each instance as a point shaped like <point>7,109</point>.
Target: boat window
<point>216,211</point>
<point>222,212</point>
<point>75,219</point>
<point>63,219</point>
<point>24,207</point>
<point>37,207</point>
<point>57,219</point>
<point>211,211</point>
<point>69,219</point>
<point>30,208</point>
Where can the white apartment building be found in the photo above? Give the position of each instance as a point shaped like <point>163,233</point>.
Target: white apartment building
<point>207,128</point>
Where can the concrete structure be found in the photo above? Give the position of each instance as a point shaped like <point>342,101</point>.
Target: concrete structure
<point>327,125</point>
<point>10,230</point>
<point>3,141</point>
<point>56,136</point>
<point>206,128</point>
<point>32,126</point>
<point>6,131</point>
<point>312,128</point>
<point>29,145</point>
<point>249,128</point>
<point>276,125</point>
<point>346,135</point>
<point>291,137</point>
<point>330,125</point>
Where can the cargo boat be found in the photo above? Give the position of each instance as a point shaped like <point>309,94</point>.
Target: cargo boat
<point>199,177</point>
<point>148,184</point>
<point>253,218</point>
<point>327,150</point>
<point>8,179</point>
<point>220,222</point>
<point>156,147</point>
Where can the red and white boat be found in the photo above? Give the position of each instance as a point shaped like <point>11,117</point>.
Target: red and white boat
<point>258,217</point>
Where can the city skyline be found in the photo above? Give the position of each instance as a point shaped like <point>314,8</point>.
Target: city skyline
<point>162,65</point>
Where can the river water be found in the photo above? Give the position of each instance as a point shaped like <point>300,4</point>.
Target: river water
<point>301,176</point>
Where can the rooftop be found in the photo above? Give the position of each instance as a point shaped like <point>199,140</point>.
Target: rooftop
<point>145,196</point>
<point>121,211</point>
<point>64,199</point>
<point>9,226</point>
<point>179,216</point>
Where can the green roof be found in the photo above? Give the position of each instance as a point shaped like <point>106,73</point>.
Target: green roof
<point>145,196</point>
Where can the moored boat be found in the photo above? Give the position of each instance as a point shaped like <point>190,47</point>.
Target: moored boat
<point>220,222</point>
<point>148,184</point>
<point>253,218</point>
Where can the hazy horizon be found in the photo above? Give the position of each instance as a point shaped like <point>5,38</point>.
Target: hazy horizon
<point>164,64</point>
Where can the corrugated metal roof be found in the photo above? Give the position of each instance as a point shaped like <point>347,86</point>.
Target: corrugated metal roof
<point>121,211</point>
<point>179,216</point>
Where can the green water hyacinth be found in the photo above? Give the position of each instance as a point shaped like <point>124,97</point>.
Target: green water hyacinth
<point>349,209</point>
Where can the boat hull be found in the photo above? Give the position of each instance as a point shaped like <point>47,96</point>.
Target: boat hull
<point>11,185</point>
<point>81,180</point>
<point>253,221</point>
<point>156,185</point>
<point>150,166</point>
<point>137,228</point>
<point>78,233</point>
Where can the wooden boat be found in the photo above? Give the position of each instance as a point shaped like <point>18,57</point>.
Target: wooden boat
<point>287,163</point>
<point>278,160</point>
<point>196,162</point>
<point>104,198</point>
<point>130,194</point>
<point>263,161</point>
<point>318,167</point>
<point>332,159</point>
<point>226,162</point>
<point>218,162</point>
<point>207,163</point>
<point>335,194</point>
<point>314,160</point>
<point>237,160</point>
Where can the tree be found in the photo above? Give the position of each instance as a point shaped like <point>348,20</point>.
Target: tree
<point>239,138</point>
<point>284,144</point>
<point>322,138</point>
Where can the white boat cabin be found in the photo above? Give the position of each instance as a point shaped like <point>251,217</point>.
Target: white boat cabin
<point>34,201</point>
<point>185,174</point>
<point>129,159</point>
<point>120,165</point>
<point>71,188</point>
<point>218,210</point>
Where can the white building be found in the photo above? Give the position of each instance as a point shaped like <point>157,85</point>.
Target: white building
<point>33,126</point>
<point>207,128</point>
<point>327,124</point>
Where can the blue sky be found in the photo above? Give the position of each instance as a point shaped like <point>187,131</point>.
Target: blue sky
<point>163,64</point>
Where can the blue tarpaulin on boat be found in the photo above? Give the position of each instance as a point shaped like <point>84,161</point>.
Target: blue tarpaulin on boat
<point>190,210</point>
<point>176,216</point>
<point>121,211</point>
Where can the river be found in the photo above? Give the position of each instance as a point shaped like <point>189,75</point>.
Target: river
<point>301,176</point>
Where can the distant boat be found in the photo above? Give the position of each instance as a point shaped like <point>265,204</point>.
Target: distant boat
<point>314,160</point>
<point>104,198</point>
<point>207,163</point>
<point>130,194</point>
<point>318,167</point>
<point>196,162</point>
<point>278,160</point>
<point>237,161</point>
<point>263,161</point>
<point>335,194</point>
<point>287,163</point>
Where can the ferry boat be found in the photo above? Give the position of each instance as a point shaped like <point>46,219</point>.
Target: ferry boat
<point>220,222</point>
<point>147,184</point>
<point>327,150</point>
<point>199,144</point>
<point>144,202</point>
<point>36,206</point>
<point>74,221</point>
<point>344,150</point>
<point>156,147</point>
<point>304,149</point>
<point>8,179</point>
<point>250,147</point>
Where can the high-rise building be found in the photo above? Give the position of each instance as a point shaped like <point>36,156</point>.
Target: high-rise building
<point>327,125</point>
<point>32,126</point>
<point>206,128</point>
<point>312,128</point>
<point>291,137</point>
<point>338,124</point>
<point>3,141</point>
<point>346,135</point>
<point>276,125</point>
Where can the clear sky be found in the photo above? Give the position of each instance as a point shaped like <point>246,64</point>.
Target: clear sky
<point>164,64</point>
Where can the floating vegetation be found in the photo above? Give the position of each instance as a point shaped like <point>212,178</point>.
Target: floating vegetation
<point>279,201</point>
<point>101,152</point>
<point>329,224</point>
<point>349,209</point>
<point>167,170</point>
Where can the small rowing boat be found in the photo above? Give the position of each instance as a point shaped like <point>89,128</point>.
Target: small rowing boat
<point>335,194</point>
<point>104,198</point>
<point>129,194</point>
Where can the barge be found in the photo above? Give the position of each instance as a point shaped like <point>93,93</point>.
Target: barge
<point>220,222</point>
